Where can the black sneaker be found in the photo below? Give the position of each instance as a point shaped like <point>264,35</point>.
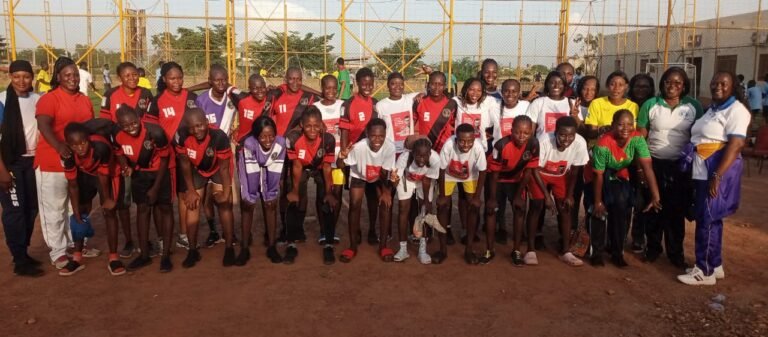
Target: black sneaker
<point>597,260</point>
<point>373,239</point>
<point>517,258</point>
<point>618,261</point>
<point>449,237</point>
<point>139,262</point>
<point>637,248</point>
<point>487,257</point>
<point>245,255</point>
<point>438,257</point>
<point>165,264</point>
<point>328,257</point>
<point>193,256</point>
<point>501,237</point>
<point>213,237</point>
<point>229,257</point>
<point>273,255</point>
<point>538,243</point>
<point>679,263</point>
<point>650,257</point>
<point>28,270</point>
<point>290,255</point>
<point>33,262</point>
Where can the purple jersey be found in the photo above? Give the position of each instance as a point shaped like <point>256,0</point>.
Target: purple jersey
<point>219,113</point>
<point>260,170</point>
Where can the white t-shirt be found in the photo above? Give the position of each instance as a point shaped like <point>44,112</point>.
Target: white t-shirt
<point>460,166</point>
<point>668,130</point>
<point>105,74</point>
<point>477,115</point>
<point>715,127</point>
<point>545,111</point>
<point>556,163</point>
<point>502,120</point>
<point>416,173</point>
<point>398,115</point>
<point>27,105</point>
<point>331,115</point>
<point>85,81</point>
<point>366,164</point>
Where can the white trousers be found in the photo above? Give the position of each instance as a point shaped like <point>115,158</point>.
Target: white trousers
<point>55,209</point>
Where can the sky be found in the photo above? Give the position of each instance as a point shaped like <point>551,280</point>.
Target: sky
<point>498,41</point>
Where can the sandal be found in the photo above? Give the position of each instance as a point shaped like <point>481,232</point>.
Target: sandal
<point>347,255</point>
<point>438,257</point>
<point>116,268</point>
<point>471,258</point>
<point>387,255</point>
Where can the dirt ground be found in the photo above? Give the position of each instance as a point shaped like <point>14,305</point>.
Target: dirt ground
<point>371,298</point>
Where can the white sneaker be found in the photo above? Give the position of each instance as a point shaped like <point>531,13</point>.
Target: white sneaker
<point>571,260</point>
<point>530,258</point>
<point>90,252</point>
<point>719,272</point>
<point>402,255</point>
<point>182,241</point>
<point>424,258</point>
<point>696,278</point>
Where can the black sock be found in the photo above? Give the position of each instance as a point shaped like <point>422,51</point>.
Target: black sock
<point>212,225</point>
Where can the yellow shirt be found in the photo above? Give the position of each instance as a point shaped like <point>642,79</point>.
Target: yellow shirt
<point>263,72</point>
<point>601,111</point>
<point>43,76</point>
<point>144,83</point>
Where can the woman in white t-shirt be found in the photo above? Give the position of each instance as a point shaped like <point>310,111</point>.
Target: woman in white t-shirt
<point>544,111</point>
<point>397,111</point>
<point>331,109</point>
<point>415,174</point>
<point>18,142</point>
<point>370,160</point>
<point>718,138</point>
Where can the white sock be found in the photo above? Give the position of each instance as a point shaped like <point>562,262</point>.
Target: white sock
<point>403,244</point>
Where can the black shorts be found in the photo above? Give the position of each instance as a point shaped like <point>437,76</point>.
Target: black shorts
<point>360,183</point>
<point>142,181</point>
<point>88,187</point>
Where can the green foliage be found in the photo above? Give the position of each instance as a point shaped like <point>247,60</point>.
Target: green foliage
<point>399,51</point>
<point>463,68</point>
<point>188,46</point>
<point>305,52</point>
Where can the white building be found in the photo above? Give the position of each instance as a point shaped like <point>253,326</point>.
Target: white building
<point>740,48</point>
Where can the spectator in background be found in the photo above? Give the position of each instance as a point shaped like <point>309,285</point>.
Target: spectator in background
<point>86,80</point>
<point>754,97</point>
<point>743,85</point>
<point>143,80</point>
<point>106,77</point>
<point>345,87</point>
<point>158,76</point>
<point>44,78</point>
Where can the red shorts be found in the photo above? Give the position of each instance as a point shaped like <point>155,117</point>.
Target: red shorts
<point>556,184</point>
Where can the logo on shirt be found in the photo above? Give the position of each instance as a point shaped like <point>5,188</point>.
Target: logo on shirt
<point>191,104</point>
<point>446,112</point>
<point>372,172</point>
<point>458,169</point>
<point>304,101</point>
<point>248,113</point>
<point>209,152</point>
<point>128,150</point>
<point>142,105</point>
<point>527,155</point>
<point>274,156</point>
<point>414,177</point>
<point>169,112</point>
<point>147,145</point>
<point>555,167</point>
<point>192,154</point>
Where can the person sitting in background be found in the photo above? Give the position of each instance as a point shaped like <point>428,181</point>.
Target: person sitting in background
<point>143,80</point>
<point>754,97</point>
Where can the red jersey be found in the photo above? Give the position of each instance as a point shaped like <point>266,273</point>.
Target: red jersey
<point>287,107</point>
<point>64,109</point>
<point>509,160</point>
<point>98,161</point>
<point>168,110</point>
<point>357,112</point>
<point>115,97</point>
<point>248,110</point>
<point>311,155</point>
<point>435,120</point>
<point>205,155</point>
<point>145,151</point>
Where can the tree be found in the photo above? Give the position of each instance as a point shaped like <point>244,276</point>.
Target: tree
<point>306,52</point>
<point>39,54</point>
<point>98,57</point>
<point>400,52</point>
<point>188,46</point>
<point>538,68</point>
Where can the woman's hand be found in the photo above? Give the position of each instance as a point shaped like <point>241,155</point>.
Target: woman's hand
<point>599,210</point>
<point>6,181</point>
<point>714,186</point>
<point>108,204</point>
<point>655,204</point>
<point>576,109</point>
<point>344,153</point>
<point>293,197</point>
<point>63,150</point>
<point>192,199</point>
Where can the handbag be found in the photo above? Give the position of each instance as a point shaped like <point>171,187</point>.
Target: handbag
<point>579,241</point>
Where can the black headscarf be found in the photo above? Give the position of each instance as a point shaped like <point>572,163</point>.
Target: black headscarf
<point>13,143</point>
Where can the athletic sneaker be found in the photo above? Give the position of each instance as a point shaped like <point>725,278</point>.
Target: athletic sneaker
<point>402,254</point>
<point>290,254</point>
<point>517,258</point>
<point>213,239</point>
<point>27,270</point>
<point>571,260</point>
<point>229,257</point>
<point>71,268</point>
<point>61,262</point>
<point>530,259</point>
<point>487,257</point>
<point>139,262</point>
<point>243,257</point>
<point>373,239</point>
<point>165,264</point>
<point>696,277</point>
<point>90,252</point>
<point>193,256</point>
<point>637,248</point>
<point>273,255</point>
<point>154,249</point>
<point>719,272</point>
<point>182,241</point>
<point>329,257</point>
<point>128,250</point>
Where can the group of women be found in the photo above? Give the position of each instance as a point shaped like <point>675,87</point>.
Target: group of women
<point>636,156</point>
